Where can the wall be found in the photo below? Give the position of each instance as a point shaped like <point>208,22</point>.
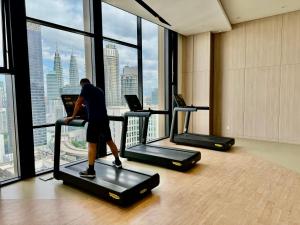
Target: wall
<point>257,80</point>
<point>194,78</point>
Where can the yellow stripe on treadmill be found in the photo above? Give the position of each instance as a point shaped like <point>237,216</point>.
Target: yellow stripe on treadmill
<point>117,197</point>
<point>219,145</point>
<point>143,191</point>
<point>177,163</point>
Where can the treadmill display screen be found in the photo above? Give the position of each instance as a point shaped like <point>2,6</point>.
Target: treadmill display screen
<point>179,100</point>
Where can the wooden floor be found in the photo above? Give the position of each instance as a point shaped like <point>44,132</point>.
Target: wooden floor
<point>234,188</point>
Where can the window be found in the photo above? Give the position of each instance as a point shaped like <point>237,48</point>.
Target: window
<point>8,148</point>
<point>70,13</point>
<point>58,59</point>
<point>120,66</point>
<point>118,24</point>
<point>153,76</point>
<point>9,166</point>
<point>121,63</point>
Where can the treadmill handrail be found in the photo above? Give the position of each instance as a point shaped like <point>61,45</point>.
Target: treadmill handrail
<point>191,108</point>
<point>116,118</point>
<point>137,114</point>
<point>144,113</point>
<point>74,122</point>
<point>185,109</point>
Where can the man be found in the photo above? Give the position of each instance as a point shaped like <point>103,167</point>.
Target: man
<point>98,124</point>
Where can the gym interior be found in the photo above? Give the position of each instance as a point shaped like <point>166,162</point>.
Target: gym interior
<point>203,102</point>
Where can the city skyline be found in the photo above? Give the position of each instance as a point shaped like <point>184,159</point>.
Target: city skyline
<point>68,42</point>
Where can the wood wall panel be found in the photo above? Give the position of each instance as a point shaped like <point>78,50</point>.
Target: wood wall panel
<point>188,97</point>
<point>263,42</point>
<point>188,88</point>
<point>290,104</point>
<point>267,106</point>
<point>262,87</point>
<point>201,88</point>
<point>291,38</point>
<point>196,77</point>
<point>229,103</point>
<point>187,54</point>
<point>232,49</point>
<point>201,122</point>
<point>202,52</point>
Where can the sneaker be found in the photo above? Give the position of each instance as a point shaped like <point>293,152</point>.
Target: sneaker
<point>117,164</point>
<point>87,174</point>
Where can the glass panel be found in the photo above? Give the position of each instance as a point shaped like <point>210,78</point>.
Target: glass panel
<point>8,155</point>
<point>121,78</point>
<point>153,76</point>
<point>1,37</point>
<point>118,24</point>
<point>70,13</point>
<point>73,146</point>
<point>57,61</point>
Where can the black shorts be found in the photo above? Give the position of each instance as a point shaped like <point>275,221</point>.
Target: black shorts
<point>95,131</point>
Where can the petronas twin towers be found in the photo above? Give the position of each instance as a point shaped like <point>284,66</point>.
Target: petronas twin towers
<point>55,79</point>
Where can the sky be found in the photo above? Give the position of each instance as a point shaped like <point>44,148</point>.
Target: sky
<point>117,24</point>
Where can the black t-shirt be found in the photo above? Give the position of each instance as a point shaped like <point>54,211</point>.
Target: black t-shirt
<point>94,101</point>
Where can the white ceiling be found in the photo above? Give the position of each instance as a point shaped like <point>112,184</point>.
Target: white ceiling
<point>196,16</point>
<point>185,16</point>
<point>245,10</point>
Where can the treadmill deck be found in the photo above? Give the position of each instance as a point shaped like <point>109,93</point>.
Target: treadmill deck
<point>178,159</point>
<point>120,185</point>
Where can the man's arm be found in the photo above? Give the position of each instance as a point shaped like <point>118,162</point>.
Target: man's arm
<point>78,105</point>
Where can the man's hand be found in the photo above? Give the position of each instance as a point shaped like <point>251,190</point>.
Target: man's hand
<point>68,119</point>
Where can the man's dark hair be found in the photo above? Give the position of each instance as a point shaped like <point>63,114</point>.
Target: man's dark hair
<point>84,81</point>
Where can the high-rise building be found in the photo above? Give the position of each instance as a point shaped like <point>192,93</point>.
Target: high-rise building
<point>73,72</point>
<point>154,96</point>
<point>129,82</point>
<point>37,82</point>
<point>2,95</point>
<point>111,70</point>
<point>58,69</point>
<point>3,121</point>
<point>52,86</point>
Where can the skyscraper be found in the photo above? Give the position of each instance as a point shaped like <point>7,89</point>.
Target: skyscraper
<point>111,70</point>
<point>58,69</point>
<point>129,82</point>
<point>52,86</point>
<point>2,95</point>
<point>154,96</point>
<point>73,72</point>
<point>37,82</point>
<point>10,141</point>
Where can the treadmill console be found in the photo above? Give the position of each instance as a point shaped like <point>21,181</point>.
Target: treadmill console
<point>179,100</point>
<point>133,103</point>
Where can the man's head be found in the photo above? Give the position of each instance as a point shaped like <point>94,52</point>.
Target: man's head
<point>84,81</point>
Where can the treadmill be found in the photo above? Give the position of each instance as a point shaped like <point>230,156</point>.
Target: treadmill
<point>121,186</point>
<point>172,158</point>
<point>198,140</point>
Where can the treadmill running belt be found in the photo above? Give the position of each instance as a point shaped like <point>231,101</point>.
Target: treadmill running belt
<point>173,154</point>
<point>108,173</point>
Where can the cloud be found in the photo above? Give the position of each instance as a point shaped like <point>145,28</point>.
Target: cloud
<point>119,24</point>
<point>64,12</point>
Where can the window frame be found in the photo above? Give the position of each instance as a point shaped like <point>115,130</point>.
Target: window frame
<point>7,70</point>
